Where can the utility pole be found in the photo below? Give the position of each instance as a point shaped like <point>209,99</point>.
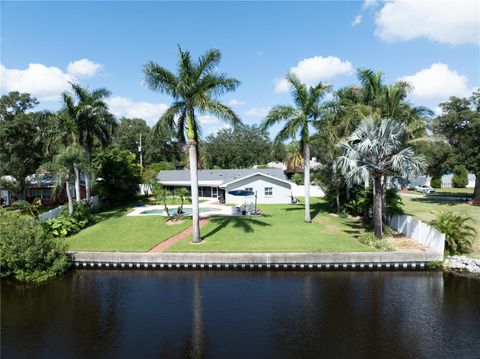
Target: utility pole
<point>141,155</point>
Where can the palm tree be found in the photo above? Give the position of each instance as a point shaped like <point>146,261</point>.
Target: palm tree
<point>307,111</point>
<point>63,168</point>
<point>374,150</point>
<point>194,89</point>
<point>92,120</point>
<point>294,156</point>
<point>183,194</point>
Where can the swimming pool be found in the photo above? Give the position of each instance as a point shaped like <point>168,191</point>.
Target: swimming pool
<point>186,211</point>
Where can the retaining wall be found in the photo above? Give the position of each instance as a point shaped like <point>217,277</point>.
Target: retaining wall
<point>420,232</point>
<point>326,261</point>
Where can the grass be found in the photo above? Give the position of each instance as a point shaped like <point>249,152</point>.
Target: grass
<point>116,232</point>
<point>425,208</point>
<point>453,192</point>
<point>280,229</point>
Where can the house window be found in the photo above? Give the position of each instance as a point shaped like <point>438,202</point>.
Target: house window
<point>214,192</point>
<point>249,189</point>
<point>41,193</point>
<point>268,191</point>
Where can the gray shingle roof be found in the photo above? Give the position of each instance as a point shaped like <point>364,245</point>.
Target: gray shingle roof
<point>224,176</point>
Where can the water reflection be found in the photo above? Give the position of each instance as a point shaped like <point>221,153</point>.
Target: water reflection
<point>199,314</point>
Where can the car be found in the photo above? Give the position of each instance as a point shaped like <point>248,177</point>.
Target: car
<point>424,189</point>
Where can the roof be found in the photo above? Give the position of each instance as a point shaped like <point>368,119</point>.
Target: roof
<point>217,177</point>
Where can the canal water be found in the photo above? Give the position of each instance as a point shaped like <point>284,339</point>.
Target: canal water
<point>234,314</point>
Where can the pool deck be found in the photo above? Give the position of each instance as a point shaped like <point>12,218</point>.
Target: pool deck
<point>397,260</point>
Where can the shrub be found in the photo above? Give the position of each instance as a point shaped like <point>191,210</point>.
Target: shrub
<point>27,251</point>
<point>65,225</point>
<point>436,182</point>
<point>459,236</point>
<point>119,175</point>
<point>297,178</point>
<point>369,239</point>
<point>460,177</point>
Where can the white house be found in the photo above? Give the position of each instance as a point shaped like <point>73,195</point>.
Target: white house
<point>270,185</point>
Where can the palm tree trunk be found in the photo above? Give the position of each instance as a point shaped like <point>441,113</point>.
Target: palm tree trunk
<point>77,183</point>
<point>476,192</point>
<point>69,196</point>
<point>377,206</point>
<point>306,174</point>
<point>384,198</point>
<point>192,154</point>
<point>87,186</point>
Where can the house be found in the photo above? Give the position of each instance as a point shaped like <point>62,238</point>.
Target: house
<point>41,186</point>
<point>270,185</point>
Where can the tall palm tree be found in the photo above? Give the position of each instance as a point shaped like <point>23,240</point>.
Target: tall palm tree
<point>298,119</point>
<point>92,120</point>
<point>63,168</point>
<point>293,156</point>
<point>376,149</point>
<point>195,89</point>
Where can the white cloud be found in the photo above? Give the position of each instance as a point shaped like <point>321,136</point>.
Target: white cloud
<point>44,82</point>
<point>357,20</point>
<point>369,3</point>
<point>315,69</point>
<point>437,83</point>
<point>125,107</point>
<point>234,102</point>
<point>83,68</point>
<point>446,21</point>
<point>257,111</point>
<point>206,120</point>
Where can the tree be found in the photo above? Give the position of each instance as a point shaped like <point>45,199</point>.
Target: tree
<point>297,120</point>
<point>64,167</point>
<point>20,151</point>
<point>118,173</point>
<point>194,89</point>
<point>374,150</point>
<point>162,195</point>
<point>460,126</point>
<point>127,135</point>
<point>293,156</point>
<point>184,195</point>
<point>239,147</point>
<point>92,120</point>
<point>28,251</point>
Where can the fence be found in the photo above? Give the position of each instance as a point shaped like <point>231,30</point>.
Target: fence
<point>419,231</point>
<point>54,213</point>
<point>299,191</point>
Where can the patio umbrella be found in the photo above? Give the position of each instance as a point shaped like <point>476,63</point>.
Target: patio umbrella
<point>243,193</point>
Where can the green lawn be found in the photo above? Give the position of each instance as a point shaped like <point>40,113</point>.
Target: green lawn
<point>279,229</point>
<point>453,192</point>
<point>425,208</point>
<point>116,232</point>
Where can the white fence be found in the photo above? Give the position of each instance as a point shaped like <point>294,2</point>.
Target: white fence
<point>54,213</point>
<point>446,181</point>
<point>299,191</point>
<point>419,231</point>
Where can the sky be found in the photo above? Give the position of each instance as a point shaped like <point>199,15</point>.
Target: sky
<point>435,45</point>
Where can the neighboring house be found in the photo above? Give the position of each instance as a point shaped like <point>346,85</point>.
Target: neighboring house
<point>41,186</point>
<point>6,193</point>
<point>270,185</point>
<point>414,181</point>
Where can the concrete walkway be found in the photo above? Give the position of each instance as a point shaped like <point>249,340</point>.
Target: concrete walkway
<point>162,247</point>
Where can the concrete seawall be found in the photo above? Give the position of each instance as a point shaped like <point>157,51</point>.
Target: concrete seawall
<point>324,261</point>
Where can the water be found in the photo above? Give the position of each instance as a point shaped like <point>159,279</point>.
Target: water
<point>187,211</point>
<point>234,314</point>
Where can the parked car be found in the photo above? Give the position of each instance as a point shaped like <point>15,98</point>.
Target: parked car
<point>424,189</point>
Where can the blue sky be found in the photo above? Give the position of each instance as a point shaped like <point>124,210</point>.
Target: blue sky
<point>435,45</point>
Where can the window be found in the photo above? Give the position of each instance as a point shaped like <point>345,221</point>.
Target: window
<point>268,191</point>
<point>249,189</point>
<point>214,192</point>
<point>41,193</point>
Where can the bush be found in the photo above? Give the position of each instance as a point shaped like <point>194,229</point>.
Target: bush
<point>460,178</point>
<point>436,182</point>
<point>459,236</point>
<point>369,239</point>
<point>65,225</point>
<point>27,251</point>
<point>119,175</point>
<point>297,178</point>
